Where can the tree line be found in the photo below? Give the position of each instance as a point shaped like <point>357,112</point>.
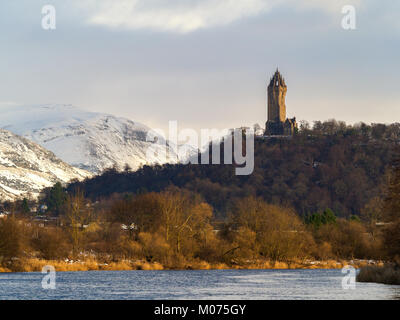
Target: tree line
<point>177,227</point>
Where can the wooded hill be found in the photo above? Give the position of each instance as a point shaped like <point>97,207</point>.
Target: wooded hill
<point>331,165</point>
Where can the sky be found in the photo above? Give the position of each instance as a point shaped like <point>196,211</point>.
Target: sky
<point>204,63</point>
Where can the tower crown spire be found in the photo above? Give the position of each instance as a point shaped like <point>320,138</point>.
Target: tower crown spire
<point>277,80</point>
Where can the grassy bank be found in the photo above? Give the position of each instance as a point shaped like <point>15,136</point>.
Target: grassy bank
<point>36,265</point>
<point>387,274</point>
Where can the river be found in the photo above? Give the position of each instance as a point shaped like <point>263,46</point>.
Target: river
<point>203,284</point>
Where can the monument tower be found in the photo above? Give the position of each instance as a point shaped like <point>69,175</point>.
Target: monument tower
<point>278,124</point>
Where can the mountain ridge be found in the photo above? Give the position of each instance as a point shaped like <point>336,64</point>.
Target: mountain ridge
<point>26,168</point>
<point>87,140</point>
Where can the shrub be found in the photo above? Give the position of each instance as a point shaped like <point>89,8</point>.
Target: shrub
<point>387,274</point>
<point>279,233</point>
<point>11,238</point>
<point>155,248</point>
<point>51,243</point>
<point>348,239</point>
<point>392,239</point>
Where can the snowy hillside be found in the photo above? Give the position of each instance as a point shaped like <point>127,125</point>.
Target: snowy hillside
<point>26,168</point>
<point>87,140</point>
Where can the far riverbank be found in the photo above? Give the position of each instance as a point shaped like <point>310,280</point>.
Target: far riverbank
<point>36,265</point>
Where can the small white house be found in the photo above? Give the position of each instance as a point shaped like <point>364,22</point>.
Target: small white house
<point>43,208</point>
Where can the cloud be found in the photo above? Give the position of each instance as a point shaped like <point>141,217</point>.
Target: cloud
<point>185,16</point>
<point>8,103</point>
<point>178,16</point>
<point>331,6</point>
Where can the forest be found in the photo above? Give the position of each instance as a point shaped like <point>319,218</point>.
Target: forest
<point>331,193</point>
<point>331,165</point>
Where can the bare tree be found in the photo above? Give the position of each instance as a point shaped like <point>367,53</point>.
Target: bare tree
<point>78,214</point>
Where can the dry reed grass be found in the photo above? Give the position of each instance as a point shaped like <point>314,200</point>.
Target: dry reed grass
<point>90,264</point>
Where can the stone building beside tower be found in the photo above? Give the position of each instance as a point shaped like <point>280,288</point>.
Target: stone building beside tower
<point>278,124</point>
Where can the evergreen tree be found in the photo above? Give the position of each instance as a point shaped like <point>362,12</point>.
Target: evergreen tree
<point>56,199</point>
<point>25,206</point>
<point>319,219</point>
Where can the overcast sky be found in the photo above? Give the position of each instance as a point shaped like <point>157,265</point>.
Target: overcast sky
<point>205,63</point>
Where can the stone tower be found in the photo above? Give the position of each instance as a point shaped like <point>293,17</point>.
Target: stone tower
<point>277,123</point>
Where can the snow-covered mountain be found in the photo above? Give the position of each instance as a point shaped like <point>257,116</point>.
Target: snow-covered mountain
<point>87,140</point>
<point>26,168</point>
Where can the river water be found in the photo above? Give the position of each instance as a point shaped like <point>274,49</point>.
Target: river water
<point>207,284</point>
